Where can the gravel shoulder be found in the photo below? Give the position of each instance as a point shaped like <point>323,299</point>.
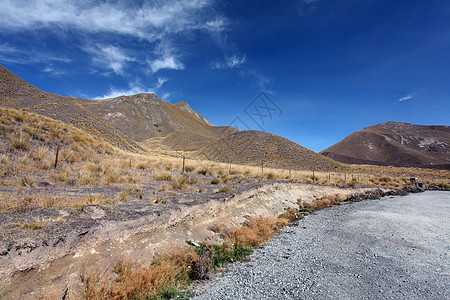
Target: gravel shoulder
<point>394,247</point>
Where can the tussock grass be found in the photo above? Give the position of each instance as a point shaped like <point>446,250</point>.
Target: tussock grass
<point>168,273</point>
<point>323,202</point>
<point>131,280</point>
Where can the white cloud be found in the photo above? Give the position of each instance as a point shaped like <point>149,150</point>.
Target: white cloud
<point>156,22</point>
<point>161,81</point>
<point>166,97</point>
<point>165,62</point>
<point>230,62</point>
<point>134,88</point>
<point>109,57</point>
<point>53,71</point>
<point>121,16</point>
<point>406,98</point>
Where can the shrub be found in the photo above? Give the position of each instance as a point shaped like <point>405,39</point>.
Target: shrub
<point>203,172</point>
<point>270,176</point>
<point>189,169</point>
<point>291,215</point>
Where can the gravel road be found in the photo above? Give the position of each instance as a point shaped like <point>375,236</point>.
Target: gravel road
<point>392,248</point>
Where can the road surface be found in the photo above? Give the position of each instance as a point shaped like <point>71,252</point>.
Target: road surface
<point>391,248</point>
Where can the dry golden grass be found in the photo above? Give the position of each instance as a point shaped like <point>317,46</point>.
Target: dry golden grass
<point>256,231</point>
<point>130,280</point>
<point>28,151</point>
<point>324,202</point>
<point>166,274</point>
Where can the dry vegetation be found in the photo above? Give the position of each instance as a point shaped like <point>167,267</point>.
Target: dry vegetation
<point>27,157</point>
<point>166,275</point>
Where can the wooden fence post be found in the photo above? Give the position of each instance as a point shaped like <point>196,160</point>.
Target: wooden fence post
<point>184,159</point>
<point>56,158</point>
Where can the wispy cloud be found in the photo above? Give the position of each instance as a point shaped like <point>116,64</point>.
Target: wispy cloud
<point>18,55</point>
<point>156,22</point>
<point>406,98</point>
<point>134,88</point>
<point>147,20</point>
<point>230,62</point>
<point>305,7</point>
<point>109,57</point>
<point>53,71</point>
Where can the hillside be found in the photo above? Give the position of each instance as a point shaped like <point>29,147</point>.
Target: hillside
<point>253,147</point>
<point>395,144</point>
<point>122,121</point>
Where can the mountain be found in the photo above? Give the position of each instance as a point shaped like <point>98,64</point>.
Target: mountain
<point>395,144</point>
<point>122,121</point>
<point>254,147</point>
<point>143,121</point>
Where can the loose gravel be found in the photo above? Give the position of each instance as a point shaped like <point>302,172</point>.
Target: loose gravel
<point>391,248</point>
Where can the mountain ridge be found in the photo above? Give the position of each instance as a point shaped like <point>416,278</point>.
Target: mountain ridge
<point>123,121</point>
<point>395,144</point>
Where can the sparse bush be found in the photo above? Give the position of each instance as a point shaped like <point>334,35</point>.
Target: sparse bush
<point>215,181</point>
<point>291,215</point>
<point>189,169</point>
<point>270,176</point>
<point>204,264</point>
<point>203,172</point>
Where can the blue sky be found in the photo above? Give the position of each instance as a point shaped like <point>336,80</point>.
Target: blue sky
<point>326,68</point>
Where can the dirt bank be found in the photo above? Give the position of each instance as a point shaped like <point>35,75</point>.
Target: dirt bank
<point>138,231</point>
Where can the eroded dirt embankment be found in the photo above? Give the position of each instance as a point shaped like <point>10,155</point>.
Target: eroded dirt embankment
<point>57,262</point>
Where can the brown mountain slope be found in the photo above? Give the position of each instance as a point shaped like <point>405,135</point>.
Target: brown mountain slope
<point>396,144</point>
<point>253,147</point>
<point>121,121</point>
